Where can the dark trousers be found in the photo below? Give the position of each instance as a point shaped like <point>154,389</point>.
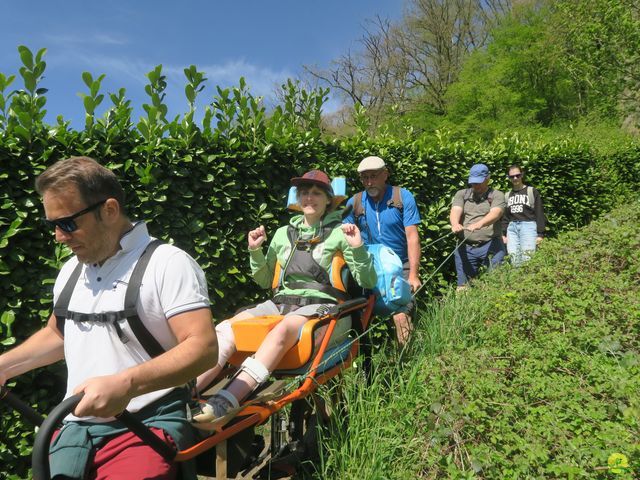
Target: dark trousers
<point>471,258</point>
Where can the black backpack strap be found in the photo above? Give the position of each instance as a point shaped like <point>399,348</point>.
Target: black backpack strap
<point>292,232</point>
<point>148,341</point>
<point>396,199</point>
<point>328,228</point>
<point>61,308</point>
<point>301,301</point>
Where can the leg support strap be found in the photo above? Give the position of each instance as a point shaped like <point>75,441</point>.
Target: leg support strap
<point>255,369</point>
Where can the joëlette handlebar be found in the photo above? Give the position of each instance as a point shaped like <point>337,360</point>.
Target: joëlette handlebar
<point>343,308</point>
<point>21,407</point>
<point>40,454</point>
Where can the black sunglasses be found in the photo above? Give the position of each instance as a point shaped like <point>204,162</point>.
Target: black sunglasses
<point>517,175</point>
<point>68,224</point>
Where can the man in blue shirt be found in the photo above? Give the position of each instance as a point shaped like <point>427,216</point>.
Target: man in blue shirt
<point>390,221</point>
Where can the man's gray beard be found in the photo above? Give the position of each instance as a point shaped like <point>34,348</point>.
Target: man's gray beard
<point>373,192</point>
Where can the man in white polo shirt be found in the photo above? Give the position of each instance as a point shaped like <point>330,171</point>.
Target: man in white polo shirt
<point>107,359</point>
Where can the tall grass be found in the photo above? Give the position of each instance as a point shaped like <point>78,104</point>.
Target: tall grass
<point>381,426</point>
<point>530,373</point>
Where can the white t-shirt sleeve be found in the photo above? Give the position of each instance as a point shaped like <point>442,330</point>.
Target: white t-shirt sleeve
<point>181,283</point>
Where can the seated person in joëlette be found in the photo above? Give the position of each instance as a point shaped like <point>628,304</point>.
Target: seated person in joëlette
<point>304,289</point>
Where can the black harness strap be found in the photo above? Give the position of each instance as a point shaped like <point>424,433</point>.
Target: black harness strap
<point>148,341</point>
<point>104,317</point>
<point>301,301</point>
<point>129,313</point>
<point>60,309</point>
<point>301,262</point>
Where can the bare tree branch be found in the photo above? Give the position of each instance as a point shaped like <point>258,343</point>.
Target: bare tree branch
<point>419,57</point>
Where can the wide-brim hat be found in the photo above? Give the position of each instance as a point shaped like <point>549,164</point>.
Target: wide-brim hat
<point>321,179</point>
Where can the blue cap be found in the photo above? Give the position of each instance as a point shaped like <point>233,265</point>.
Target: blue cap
<point>478,173</point>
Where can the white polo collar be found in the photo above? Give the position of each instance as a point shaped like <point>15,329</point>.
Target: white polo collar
<point>135,237</point>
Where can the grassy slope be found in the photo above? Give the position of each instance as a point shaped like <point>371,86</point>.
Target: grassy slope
<point>533,373</point>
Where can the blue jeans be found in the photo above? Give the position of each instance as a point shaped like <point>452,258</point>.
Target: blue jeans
<point>521,241</point>
<point>470,258</point>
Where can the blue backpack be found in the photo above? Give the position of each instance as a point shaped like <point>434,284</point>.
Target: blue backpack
<point>392,291</point>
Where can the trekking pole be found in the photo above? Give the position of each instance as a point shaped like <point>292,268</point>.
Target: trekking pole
<point>437,240</point>
<point>459,244</point>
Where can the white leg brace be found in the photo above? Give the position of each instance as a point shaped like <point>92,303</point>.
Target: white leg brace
<point>255,369</point>
<point>226,342</point>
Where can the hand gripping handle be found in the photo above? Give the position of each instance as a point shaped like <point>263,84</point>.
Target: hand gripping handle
<point>40,454</point>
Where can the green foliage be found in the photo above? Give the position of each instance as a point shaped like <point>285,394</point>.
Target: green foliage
<point>203,186</point>
<point>532,373</point>
<point>547,64</point>
<point>600,40</point>
<point>515,81</point>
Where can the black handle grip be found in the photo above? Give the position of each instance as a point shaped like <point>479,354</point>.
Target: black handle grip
<point>21,407</point>
<point>349,305</point>
<point>40,454</point>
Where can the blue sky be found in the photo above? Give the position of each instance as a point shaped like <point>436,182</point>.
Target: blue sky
<point>264,41</point>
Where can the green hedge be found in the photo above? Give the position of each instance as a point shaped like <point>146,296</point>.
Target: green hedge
<point>203,185</point>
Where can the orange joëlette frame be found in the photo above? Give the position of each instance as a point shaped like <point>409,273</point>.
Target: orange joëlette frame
<point>257,414</point>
